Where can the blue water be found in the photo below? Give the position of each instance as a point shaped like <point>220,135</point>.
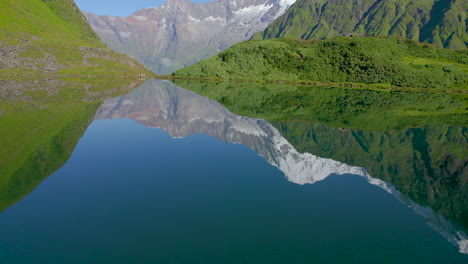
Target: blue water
<point>133,194</point>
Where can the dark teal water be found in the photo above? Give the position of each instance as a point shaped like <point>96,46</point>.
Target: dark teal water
<point>133,194</point>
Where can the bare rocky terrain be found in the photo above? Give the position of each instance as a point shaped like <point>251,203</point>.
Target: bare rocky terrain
<point>26,55</point>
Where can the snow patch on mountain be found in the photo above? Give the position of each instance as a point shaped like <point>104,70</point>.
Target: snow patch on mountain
<point>250,12</point>
<point>184,31</point>
<point>194,20</point>
<point>140,18</point>
<point>125,34</point>
<point>284,5</point>
<point>213,19</point>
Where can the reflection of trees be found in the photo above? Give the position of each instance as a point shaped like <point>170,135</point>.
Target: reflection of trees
<point>428,164</point>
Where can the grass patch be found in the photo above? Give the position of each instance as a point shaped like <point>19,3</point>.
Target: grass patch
<point>32,53</point>
<point>427,62</point>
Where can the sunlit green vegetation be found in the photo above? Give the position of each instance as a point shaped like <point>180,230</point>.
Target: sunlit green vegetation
<point>50,37</point>
<point>440,22</point>
<point>389,61</point>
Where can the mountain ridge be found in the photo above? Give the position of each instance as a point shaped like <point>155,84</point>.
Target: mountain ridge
<point>443,23</point>
<point>180,32</point>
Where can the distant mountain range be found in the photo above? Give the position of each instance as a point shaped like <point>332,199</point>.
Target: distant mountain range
<point>441,22</point>
<point>180,33</point>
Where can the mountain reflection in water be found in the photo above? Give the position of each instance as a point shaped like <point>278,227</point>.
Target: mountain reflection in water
<point>180,113</point>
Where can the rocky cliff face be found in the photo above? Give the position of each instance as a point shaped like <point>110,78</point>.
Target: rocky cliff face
<point>180,33</point>
<point>441,22</point>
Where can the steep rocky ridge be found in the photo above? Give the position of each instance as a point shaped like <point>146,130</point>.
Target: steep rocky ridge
<point>181,33</point>
<point>441,22</point>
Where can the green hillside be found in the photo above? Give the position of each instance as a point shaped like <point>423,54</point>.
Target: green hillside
<point>441,22</point>
<point>369,60</point>
<point>53,37</point>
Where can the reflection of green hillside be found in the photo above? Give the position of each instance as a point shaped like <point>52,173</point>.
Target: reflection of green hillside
<point>46,152</point>
<point>416,141</point>
<point>427,164</point>
<point>337,106</point>
<point>41,121</point>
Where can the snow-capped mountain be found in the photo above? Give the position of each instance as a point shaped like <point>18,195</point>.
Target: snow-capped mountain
<point>180,33</point>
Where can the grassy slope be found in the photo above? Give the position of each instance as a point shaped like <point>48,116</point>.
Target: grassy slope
<point>441,22</point>
<point>53,36</point>
<point>358,60</point>
<point>316,19</point>
<point>40,125</point>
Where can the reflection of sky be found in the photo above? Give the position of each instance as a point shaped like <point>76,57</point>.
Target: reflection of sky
<point>120,8</point>
<point>133,193</point>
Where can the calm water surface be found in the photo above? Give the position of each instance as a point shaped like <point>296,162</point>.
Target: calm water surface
<point>157,178</point>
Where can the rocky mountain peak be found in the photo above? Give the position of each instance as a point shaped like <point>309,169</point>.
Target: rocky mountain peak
<point>180,33</point>
<point>176,3</point>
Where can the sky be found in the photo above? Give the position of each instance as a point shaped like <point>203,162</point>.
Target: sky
<point>120,8</point>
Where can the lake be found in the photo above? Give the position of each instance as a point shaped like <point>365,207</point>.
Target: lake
<point>164,175</point>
